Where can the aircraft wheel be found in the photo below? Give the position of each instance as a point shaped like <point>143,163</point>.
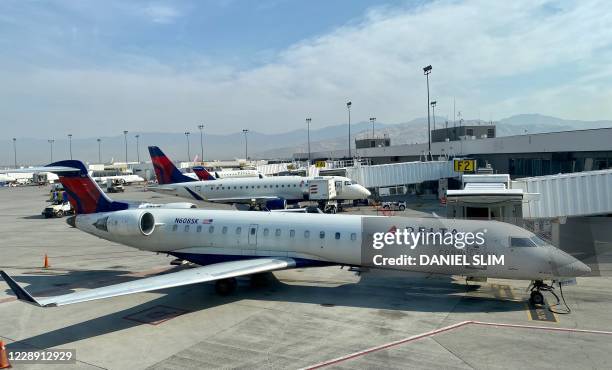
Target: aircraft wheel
<point>402,208</point>
<point>225,286</point>
<point>536,298</point>
<point>59,214</point>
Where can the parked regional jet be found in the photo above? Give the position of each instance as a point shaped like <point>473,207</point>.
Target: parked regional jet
<point>229,244</point>
<point>272,192</point>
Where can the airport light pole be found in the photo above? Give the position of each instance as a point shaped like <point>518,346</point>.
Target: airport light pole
<point>137,136</point>
<point>372,120</point>
<point>246,144</point>
<point>427,71</point>
<point>15,150</point>
<point>308,120</point>
<point>188,148</point>
<point>99,150</point>
<point>201,128</point>
<point>70,144</point>
<point>433,112</point>
<point>348,107</point>
<point>125,138</point>
<point>51,141</point>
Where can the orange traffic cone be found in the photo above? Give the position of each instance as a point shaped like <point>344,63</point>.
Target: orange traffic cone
<point>4,362</point>
<point>46,265</point>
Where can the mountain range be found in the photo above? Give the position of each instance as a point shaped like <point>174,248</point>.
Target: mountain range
<point>263,145</point>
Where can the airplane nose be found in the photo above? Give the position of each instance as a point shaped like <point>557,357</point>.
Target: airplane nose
<point>565,265</point>
<point>366,193</point>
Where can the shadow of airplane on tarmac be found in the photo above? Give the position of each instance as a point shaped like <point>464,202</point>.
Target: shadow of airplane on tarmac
<point>418,294</point>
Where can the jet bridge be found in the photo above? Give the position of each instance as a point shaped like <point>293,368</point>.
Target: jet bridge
<point>565,195</point>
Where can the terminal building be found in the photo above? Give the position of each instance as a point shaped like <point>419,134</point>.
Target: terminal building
<point>519,156</point>
<point>469,132</point>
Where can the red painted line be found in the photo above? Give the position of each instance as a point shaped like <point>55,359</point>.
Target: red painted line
<point>388,345</point>
<point>566,330</point>
<point>445,329</point>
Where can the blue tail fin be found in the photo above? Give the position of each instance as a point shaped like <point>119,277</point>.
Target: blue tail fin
<point>83,192</point>
<point>202,173</point>
<point>165,171</point>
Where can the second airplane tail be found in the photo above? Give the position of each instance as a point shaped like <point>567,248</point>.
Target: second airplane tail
<point>203,174</point>
<point>165,171</point>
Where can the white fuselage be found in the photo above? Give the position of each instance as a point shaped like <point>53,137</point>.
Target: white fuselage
<point>210,236</point>
<point>290,188</point>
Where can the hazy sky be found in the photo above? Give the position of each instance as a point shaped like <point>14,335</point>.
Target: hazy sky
<point>99,67</point>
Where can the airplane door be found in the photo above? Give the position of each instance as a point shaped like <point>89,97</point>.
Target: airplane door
<point>253,235</point>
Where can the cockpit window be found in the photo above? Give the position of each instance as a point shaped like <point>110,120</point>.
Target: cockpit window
<point>347,183</point>
<point>521,242</point>
<point>539,242</point>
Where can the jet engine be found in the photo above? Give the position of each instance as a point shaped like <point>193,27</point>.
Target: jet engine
<point>128,223</point>
<point>276,204</point>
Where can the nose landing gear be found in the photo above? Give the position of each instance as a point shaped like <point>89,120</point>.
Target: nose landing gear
<point>537,286</point>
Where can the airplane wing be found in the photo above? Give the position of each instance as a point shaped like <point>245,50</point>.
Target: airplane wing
<point>242,199</point>
<point>185,277</point>
<point>40,169</point>
<point>161,188</point>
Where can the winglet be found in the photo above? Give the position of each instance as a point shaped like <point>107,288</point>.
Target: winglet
<point>21,293</point>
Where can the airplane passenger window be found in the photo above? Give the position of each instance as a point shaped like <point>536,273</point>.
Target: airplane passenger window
<point>306,234</point>
<point>266,232</point>
<point>211,229</point>
<point>186,228</point>
<point>238,230</point>
<point>258,186</point>
<point>174,227</point>
<point>224,230</point>
<point>322,235</point>
<point>199,228</point>
<point>241,187</point>
<point>278,232</point>
<point>277,185</point>
<point>291,233</point>
<point>353,236</point>
<point>337,236</point>
<point>521,242</point>
<point>283,185</point>
<point>265,186</point>
<point>234,188</point>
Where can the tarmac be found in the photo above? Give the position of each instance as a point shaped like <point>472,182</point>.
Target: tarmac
<point>305,318</point>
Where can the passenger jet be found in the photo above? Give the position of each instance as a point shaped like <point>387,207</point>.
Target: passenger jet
<point>230,244</point>
<point>272,192</point>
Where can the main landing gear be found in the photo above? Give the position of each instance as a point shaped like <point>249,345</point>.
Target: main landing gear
<point>226,286</point>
